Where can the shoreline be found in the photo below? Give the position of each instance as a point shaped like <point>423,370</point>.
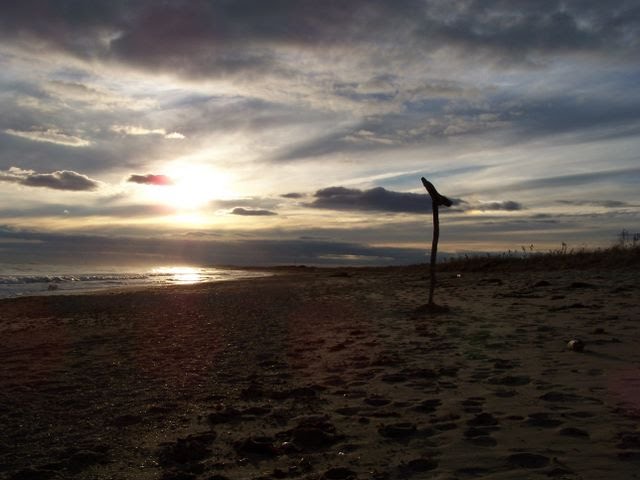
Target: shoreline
<point>91,287</point>
<point>326,373</point>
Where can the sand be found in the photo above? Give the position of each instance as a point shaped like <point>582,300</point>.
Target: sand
<point>327,374</point>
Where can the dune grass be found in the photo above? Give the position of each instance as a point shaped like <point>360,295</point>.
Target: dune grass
<point>605,258</point>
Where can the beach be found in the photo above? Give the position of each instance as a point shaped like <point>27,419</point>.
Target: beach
<point>328,374</point>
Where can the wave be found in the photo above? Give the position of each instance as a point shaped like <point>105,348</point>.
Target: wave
<point>17,283</point>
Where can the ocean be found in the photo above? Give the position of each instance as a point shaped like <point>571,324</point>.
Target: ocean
<point>30,280</point>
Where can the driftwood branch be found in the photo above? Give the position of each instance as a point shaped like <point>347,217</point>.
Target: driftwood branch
<point>437,200</point>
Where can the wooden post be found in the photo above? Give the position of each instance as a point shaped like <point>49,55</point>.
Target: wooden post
<point>436,201</point>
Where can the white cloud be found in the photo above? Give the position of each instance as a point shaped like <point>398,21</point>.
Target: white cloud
<point>175,136</point>
<point>136,131</point>
<point>49,135</point>
<point>93,97</point>
<point>59,180</point>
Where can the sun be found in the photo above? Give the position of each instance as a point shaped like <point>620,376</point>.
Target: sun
<point>192,187</point>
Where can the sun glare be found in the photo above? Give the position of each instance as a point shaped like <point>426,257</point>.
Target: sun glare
<point>179,275</point>
<point>192,188</point>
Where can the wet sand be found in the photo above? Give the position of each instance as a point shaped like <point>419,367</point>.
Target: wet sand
<point>327,374</point>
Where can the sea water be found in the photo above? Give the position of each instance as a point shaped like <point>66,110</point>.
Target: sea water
<point>29,280</point>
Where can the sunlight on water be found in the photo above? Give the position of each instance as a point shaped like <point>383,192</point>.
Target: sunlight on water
<point>21,280</point>
<point>181,275</point>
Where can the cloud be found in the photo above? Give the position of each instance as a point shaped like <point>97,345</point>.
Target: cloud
<point>50,135</point>
<point>251,203</point>
<point>251,212</point>
<point>76,94</point>
<point>99,208</point>
<point>65,248</point>
<point>596,203</point>
<point>136,131</point>
<point>578,179</point>
<point>150,179</point>
<point>227,38</point>
<point>60,180</point>
<point>293,195</point>
<point>375,199</point>
<point>506,205</point>
<point>381,200</point>
<point>174,136</point>
<point>426,124</point>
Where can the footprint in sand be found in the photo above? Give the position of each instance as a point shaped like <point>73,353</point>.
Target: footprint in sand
<point>394,378</point>
<point>528,460</point>
<point>569,397</point>
<point>574,432</point>
<point>483,441</point>
<point>377,401</point>
<point>422,464</point>
<point>480,428</point>
<point>483,420</point>
<point>630,444</point>
<point>473,404</point>
<point>510,380</point>
<point>503,393</point>
<point>542,420</point>
<point>189,450</point>
<point>398,430</point>
<point>260,445</point>
<point>428,406</point>
<point>339,473</point>
<point>313,432</point>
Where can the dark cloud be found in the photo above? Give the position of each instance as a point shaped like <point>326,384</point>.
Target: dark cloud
<point>60,248</point>
<point>293,195</point>
<point>251,203</point>
<point>596,203</point>
<point>60,180</point>
<point>571,113</point>
<point>507,205</point>
<point>628,175</point>
<point>221,37</point>
<point>381,200</point>
<point>435,122</point>
<point>150,179</point>
<point>430,123</point>
<point>375,199</point>
<point>101,209</point>
<point>251,212</point>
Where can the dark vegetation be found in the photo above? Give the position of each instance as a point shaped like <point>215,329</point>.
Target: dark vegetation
<point>604,258</point>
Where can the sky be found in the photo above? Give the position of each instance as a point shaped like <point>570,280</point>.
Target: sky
<point>254,132</point>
